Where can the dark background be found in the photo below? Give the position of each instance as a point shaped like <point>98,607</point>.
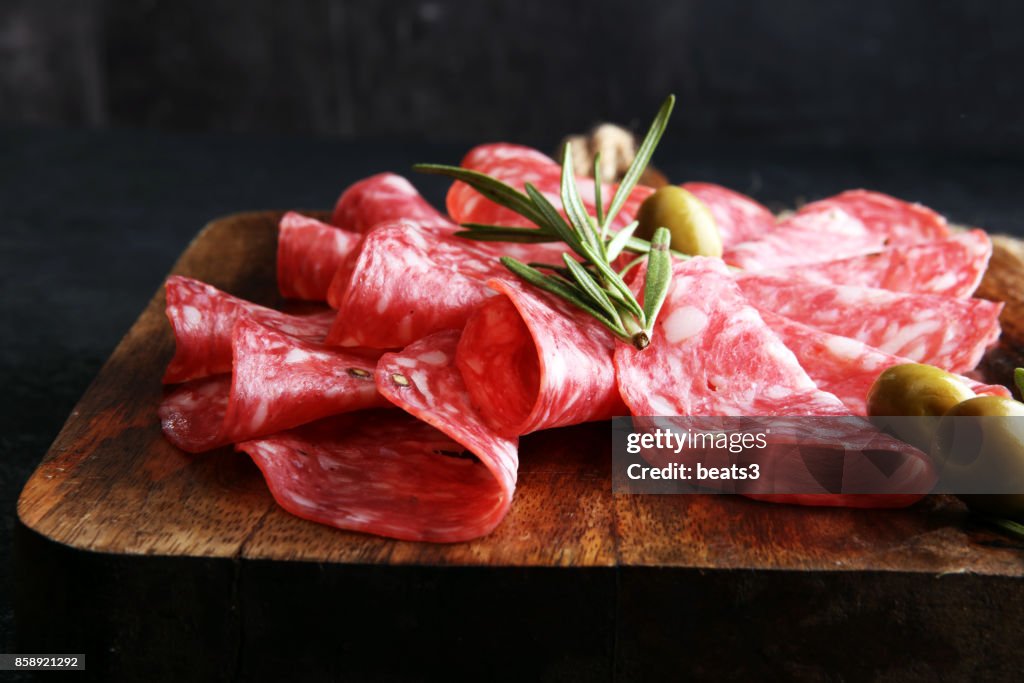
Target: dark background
<point>125,126</point>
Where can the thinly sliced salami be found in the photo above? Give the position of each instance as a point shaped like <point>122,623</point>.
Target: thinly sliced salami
<point>202,318</point>
<point>518,165</point>
<point>532,362</point>
<point>950,333</point>
<point>808,238</point>
<point>898,221</point>
<point>385,198</point>
<point>309,253</point>
<point>738,217</point>
<point>277,382</point>
<point>845,367</point>
<point>950,267</point>
<point>407,283</point>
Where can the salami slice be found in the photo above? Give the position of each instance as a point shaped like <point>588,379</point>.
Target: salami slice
<point>950,267</point>
<point>277,382</point>
<point>845,367</point>
<point>806,238</point>
<point>898,221</point>
<point>407,283</point>
<point>518,165</point>
<point>202,318</point>
<point>738,217</point>
<point>385,198</point>
<point>309,253</point>
<point>950,333</point>
<point>532,362</point>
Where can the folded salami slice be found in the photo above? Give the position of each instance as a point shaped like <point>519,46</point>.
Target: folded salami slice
<point>385,198</point>
<point>202,318</point>
<point>518,165</point>
<point>309,253</point>
<point>898,221</point>
<point>712,354</point>
<point>444,477</point>
<point>950,267</point>
<point>738,217</point>
<point>806,238</point>
<point>950,333</point>
<point>532,362</point>
<point>846,367</point>
<point>277,382</point>
<point>407,283</point>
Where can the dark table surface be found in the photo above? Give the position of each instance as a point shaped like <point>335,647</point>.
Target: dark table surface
<point>90,222</point>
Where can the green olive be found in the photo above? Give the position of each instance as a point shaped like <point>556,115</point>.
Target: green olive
<point>983,453</point>
<point>912,390</point>
<point>687,218</point>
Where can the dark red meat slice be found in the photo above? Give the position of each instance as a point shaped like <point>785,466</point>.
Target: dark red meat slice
<point>806,238</point>
<point>277,383</point>
<point>950,333</point>
<point>898,221</point>
<point>518,165</point>
<point>385,198</point>
<point>202,318</point>
<point>845,367</point>
<point>950,267</point>
<point>407,283</point>
<point>738,217</point>
<point>532,362</point>
<point>309,253</point>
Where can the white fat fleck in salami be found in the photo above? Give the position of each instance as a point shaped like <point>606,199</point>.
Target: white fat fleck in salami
<point>532,362</point>
<point>898,221</point>
<point>737,217</point>
<point>406,284</point>
<point>309,253</point>
<point>385,198</point>
<point>277,382</point>
<point>731,364</point>
<point>383,472</point>
<point>949,267</point>
<point>948,332</point>
<point>806,238</point>
<point>846,367</point>
<point>202,318</point>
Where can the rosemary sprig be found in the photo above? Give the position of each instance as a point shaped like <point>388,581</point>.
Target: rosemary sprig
<point>590,282</point>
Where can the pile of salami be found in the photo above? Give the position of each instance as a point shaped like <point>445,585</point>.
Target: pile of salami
<point>396,407</point>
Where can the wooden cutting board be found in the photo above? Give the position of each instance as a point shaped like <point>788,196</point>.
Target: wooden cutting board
<point>198,573</point>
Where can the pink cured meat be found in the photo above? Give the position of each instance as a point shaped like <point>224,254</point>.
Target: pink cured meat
<point>385,198</point>
<point>810,238</point>
<point>202,318</point>
<point>309,252</point>
<point>532,362</point>
<point>410,475</point>
<point>738,217</point>
<point>950,267</point>
<point>277,383</point>
<point>898,221</point>
<point>712,354</point>
<point>950,333</point>
<point>518,165</point>
<point>406,284</point>
<point>846,367</point>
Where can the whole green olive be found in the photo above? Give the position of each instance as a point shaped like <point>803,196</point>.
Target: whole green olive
<point>687,218</point>
<point>917,391</point>
<point>985,452</point>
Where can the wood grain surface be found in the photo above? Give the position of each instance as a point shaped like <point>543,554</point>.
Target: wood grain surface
<point>112,484</point>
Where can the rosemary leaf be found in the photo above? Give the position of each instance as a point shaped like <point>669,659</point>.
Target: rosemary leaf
<point>637,245</point>
<point>643,156</point>
<point>613,281</point>
<point>573,203</point>
<point>619,240</point>
<point>659,277</point>
<point>553,220</point>
<point>598,201</point>
<point>1007,525</point>
<point>585,280</point>
<point>492,188</point>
